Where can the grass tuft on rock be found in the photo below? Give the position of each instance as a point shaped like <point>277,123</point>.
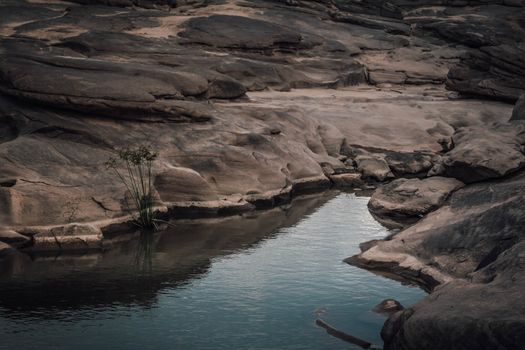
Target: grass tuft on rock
<point>133,166</point>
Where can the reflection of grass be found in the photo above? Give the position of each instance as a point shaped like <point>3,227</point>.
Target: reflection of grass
<point>133,166</point>
<point>144,255</point>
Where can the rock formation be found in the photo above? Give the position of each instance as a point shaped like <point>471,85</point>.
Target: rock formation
<point>250,102</point>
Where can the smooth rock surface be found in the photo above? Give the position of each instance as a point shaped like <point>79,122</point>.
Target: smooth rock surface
<point>481,153</point>
<point>406,199</point>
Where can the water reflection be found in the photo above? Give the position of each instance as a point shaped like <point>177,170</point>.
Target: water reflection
<point>134,272</point>
<point>233,283</point>
<point>145,249</point>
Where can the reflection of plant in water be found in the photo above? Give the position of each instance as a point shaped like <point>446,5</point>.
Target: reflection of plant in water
<point>145,249</point>
<point>133,166</point>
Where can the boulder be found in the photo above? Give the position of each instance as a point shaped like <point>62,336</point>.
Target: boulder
<point>410,199</point>
<point>482,153</point>
<point>347,180</point>
<point>177,184</point>
<point>388,307</point>
<point>373,166</point>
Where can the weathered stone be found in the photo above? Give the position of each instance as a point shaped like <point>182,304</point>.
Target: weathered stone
<point>388,306</point>
<point>405,199</point>
<point>482,153</point>
<point>374,167</point>
<point>347,180</point>
<point>477,237</point>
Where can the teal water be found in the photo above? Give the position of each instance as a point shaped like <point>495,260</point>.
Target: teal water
<point>253,282</point>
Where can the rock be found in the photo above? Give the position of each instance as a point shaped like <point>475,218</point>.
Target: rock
<point>374,167</point>
<point>519,109</point>
<point>241,33</point>
<point>68,237</point>
<point>480,153</point>
<point>347,180</point>
<point>474,246</point>
<point>413,163</point>
<point>6,250</point>
<point>388,306</point>
<point>149,93</point>
<point>389,25</point>
<point>381,77</point>
<point>405,200</point>
<point>13,238</point>
<point>493,71</point>
<point>183,185</point>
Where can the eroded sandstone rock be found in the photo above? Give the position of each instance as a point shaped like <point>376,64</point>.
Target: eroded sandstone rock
<point>482,153</point>
<point>406,199</point>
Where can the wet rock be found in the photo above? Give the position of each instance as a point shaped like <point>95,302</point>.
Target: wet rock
<point>405,199</point>
<point>388,306</point>
<point>480,153</point>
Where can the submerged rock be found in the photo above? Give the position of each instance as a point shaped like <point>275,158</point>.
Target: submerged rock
<point>388,306</point>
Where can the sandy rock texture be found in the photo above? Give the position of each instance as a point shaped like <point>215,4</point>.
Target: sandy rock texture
<point>251,102</point>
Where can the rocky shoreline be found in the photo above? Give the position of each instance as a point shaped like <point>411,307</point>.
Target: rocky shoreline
<point>250,103</point>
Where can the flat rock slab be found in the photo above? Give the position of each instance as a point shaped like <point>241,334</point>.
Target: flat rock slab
<point>119,90</point>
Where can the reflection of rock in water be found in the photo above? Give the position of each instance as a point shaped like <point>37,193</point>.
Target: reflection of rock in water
<point>164,260</point>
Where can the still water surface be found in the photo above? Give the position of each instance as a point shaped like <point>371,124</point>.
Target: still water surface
<point>253,282</point>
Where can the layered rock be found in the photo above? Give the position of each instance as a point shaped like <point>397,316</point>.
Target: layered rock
<point>481,153</point>
<point>474,245</point>
<point>210,85</point>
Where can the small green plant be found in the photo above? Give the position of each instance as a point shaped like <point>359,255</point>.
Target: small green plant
<point>133,166</point>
